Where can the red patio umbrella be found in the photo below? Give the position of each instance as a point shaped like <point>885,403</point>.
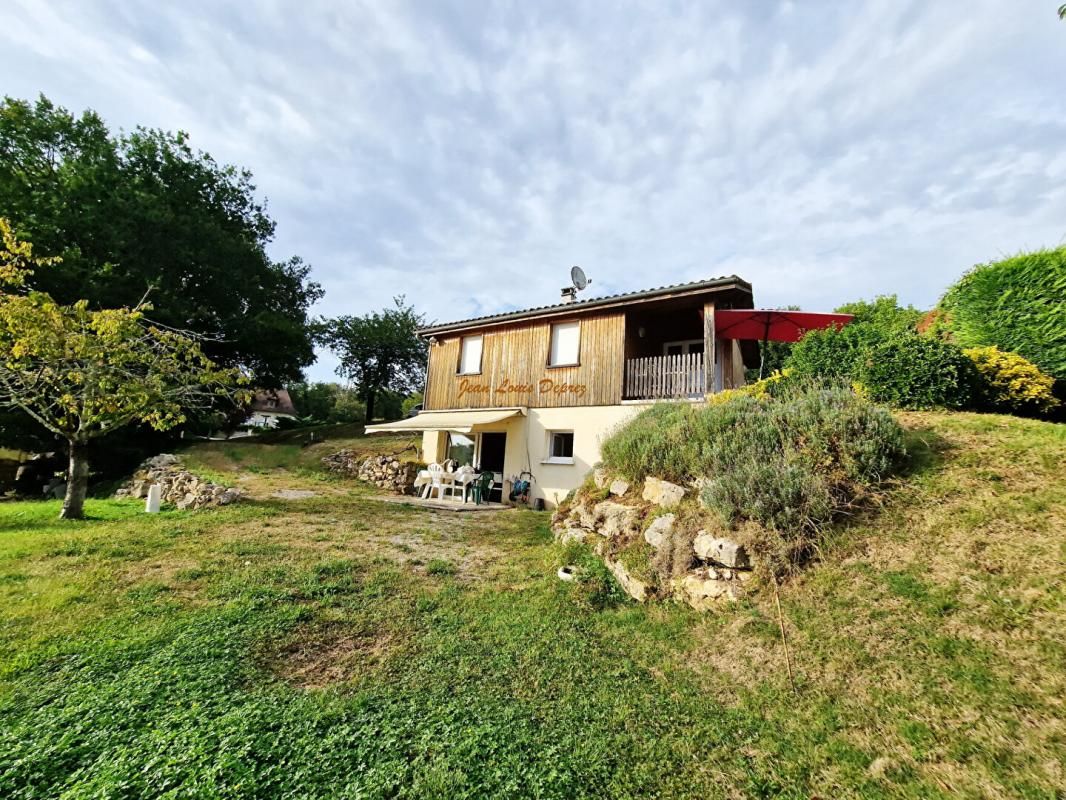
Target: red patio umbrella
<point>769,325</point>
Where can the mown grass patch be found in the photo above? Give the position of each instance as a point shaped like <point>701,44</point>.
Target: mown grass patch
<point>274,649</point>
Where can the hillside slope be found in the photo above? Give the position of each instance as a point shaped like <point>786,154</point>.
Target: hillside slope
<point>930,637</point>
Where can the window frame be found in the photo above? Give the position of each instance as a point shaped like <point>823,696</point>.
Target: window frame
<point>551,341</point>
<point>549,447</point>
<point>480,356</point>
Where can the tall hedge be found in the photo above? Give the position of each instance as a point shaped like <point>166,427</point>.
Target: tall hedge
<point>1017,305</point>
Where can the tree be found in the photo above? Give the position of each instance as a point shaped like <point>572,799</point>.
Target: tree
<point>379,352</point>
<point>884,313</point>
<point>82,373</point>
<point>144,210</point>
<point>326,402</point>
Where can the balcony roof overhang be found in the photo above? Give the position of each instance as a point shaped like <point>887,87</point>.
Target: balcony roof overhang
<point>712,286</point>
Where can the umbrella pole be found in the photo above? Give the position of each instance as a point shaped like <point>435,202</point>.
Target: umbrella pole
<point>762,350</point>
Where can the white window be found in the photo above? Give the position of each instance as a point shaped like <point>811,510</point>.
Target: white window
<point>470,360</point>
<point>566,341</point>
<point>560,447</point>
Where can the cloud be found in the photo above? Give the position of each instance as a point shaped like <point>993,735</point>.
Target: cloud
<point>467,154</point>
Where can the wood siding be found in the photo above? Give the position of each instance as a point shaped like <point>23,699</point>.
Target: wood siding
<point>514,369</point>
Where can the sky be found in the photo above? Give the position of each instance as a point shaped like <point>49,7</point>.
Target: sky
<point>466,154</point>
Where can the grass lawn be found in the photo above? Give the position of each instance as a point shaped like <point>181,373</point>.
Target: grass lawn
<point>339,647</point>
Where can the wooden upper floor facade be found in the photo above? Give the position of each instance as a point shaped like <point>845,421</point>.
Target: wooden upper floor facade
<point>640,346</point>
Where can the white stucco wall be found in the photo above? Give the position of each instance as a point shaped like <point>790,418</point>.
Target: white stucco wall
<point>590,424</point>
<point>527,444</point>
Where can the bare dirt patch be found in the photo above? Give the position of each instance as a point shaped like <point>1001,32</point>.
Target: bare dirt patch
<point>320,655</point>
<point>294,494</point>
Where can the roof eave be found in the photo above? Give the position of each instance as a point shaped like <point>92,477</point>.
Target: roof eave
<point>580,307</point>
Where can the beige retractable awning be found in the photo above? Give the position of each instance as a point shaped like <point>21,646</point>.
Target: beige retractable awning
<point>460,421</point>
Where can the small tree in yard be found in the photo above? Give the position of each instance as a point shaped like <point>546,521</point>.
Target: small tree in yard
<point>379,352</point>
<point>82,373</point>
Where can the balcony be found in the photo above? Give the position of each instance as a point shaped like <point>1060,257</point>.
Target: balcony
<point>672,377</point>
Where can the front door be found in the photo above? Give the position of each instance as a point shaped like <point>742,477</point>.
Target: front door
<point>490,459</point>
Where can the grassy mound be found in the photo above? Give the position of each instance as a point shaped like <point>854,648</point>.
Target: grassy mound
<point>790,462</point>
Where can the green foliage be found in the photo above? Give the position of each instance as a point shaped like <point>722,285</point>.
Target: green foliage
<point>902,369</point>
<point>1011,384</point>
<point>380,353</point>
<point>441,567</point>
<point>912,371</point>
<point>789,462</point>
<point>410,402</point>
<point>1017,305</point>
<point>596,587</point>
<point>833,352</point>
<point>883,313</point>
<point>82,373</point>
<point>322,402</point>
<point>143,209</point>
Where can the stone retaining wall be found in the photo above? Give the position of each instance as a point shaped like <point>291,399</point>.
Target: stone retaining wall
<point>385,472</point>
<point>611,518</point>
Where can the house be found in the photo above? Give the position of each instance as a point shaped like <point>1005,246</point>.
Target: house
<point>268,406</point>
<point>538,390</point>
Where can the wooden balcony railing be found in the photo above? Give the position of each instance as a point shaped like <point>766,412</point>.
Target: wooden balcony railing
<point>664,377</point>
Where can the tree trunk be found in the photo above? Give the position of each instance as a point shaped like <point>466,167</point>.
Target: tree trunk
<point>370,406</point>
<point>77,482</point>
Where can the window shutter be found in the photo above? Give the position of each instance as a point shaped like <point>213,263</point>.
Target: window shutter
<point>566,339</point>
<point>471,357</point>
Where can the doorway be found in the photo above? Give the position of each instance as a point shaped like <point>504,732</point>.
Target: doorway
<point>491,451</point>
<point>683,348</point>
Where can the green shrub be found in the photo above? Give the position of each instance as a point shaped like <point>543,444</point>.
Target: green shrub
<point>904,369</point>
<point>834,352</point>
<point>806,458</point>
<point>912,371</point>
<point>1011,383</point>
<point>1017,305</point>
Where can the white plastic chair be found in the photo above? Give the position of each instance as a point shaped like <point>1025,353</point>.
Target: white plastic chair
<point>463,477</point>
<point>436,481</point>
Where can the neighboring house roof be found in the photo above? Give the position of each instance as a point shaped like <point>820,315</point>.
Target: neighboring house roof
<point>273,401</point>
<point>557,309</point>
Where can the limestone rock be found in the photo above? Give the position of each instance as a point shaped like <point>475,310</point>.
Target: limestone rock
<point>572,532</point>
<point>229,496</point>
<point>721,551</point>
<point>662,493</point>
<point>708,588</point>
<point>584,516</point>
<point>614,519</point>
<point>600,477</point>
<point>634,587</point>
<point>619,487</point>
<point>660,530</point>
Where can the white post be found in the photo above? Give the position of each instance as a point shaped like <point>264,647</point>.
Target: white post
<point>151,505</point>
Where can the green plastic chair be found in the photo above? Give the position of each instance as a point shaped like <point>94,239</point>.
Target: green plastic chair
<point>482,487</point>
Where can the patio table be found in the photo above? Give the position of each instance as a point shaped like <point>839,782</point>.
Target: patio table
<point>425,479</point>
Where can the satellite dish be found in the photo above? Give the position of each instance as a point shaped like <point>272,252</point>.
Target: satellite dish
<point>577,277</point>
